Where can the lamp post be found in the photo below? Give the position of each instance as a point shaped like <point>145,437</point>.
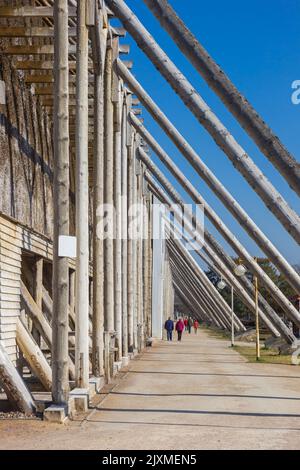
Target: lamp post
<point>221,285</point>
<point>240,270</point>
<point>255,282</point>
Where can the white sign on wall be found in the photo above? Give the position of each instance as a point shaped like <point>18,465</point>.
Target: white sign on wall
<point>2,92</point>
<point>67,246</point>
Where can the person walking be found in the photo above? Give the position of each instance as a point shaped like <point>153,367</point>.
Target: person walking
<point>169,326</point>
<point>196,326</point>
<point>179,328</point>
<point>185,323</point>
<point>190,324</point>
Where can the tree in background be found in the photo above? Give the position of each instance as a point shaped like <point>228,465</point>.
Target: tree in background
<point>240,309</point>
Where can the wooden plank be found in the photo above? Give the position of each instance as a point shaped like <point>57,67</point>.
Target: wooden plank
<point>9,327</point>
<point>9,283</point>
<point>9,290</point>
<point>44,65</point>
<point>8,335</point>
<point>7,261</point>
<point>16,242</point>
<point>7,223</point>
<point>10,245</point>
<point>9,275</point>
<point>32,11</point>
<point>10,297</point>
<point>72,102</point>
<point>11,351</point>
<point>8,320</point>
<point>10,253</point>
<point>43,78</point>
<point>8,268</point>
<point>49,90</point>
<point>9,305</point>
<point>6,229</point>
<point>11,342</point>
<point>45,49</point>
<point>38,32</point>
<point>9,313</point>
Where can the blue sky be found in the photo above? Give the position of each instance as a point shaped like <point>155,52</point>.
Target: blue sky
<point>257,44</point>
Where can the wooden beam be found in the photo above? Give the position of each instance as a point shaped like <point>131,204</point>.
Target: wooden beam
<point>44,65</point>
<point>48,90</point>
<point>34,12</point>
<point>72,103</point>
<point>46,49</point>
<point>13,385</point>
<point>34,356</point>
<point>35,32</point>
<point>43,78</point>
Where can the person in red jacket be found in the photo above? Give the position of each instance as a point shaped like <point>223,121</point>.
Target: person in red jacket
<point>185,323</point>
<point>179,328</point>
<point>196,326</point>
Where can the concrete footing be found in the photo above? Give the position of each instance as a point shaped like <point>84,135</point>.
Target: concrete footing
<point>118,365</point>
<point>125,361</point>
<point>56,414</point>
<point>79,400</point>
<point>95,385</point>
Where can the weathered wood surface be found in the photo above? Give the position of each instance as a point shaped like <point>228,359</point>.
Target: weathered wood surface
<point>13,385</point>
<point>41,323</point>
<point>34,356</point>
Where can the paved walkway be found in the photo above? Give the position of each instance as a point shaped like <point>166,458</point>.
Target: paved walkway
<point>198,394</point>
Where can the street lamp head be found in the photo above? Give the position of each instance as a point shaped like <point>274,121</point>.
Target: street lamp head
<point>221,284</point>
<point>240,270</point>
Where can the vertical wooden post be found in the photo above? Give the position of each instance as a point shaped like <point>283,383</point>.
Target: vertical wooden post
<point>99,45</point>
<point>140,278</point>
<point>116,95</point>
<point>82,206</point>
<point>98,312</point>
<point>60,370</point>
<point>124,231</point>
<point>72,281</point>
<point>134,245</point>
<point>255,281</point>
<point>150,229</point>
<point>108,194</point>
<point>38,293</point>
<point>232,316</point>
<point>146,264</point>
<point>130,264</point>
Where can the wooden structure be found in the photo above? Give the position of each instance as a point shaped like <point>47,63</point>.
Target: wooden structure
<point>76,166</point>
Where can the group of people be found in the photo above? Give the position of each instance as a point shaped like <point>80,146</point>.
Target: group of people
<point>186,323</point>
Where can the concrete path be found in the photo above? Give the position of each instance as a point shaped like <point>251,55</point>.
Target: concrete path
<point>198,394</point>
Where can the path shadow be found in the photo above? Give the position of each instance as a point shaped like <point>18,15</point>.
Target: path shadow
<point>154,372</point>
<point>201,412</point>
<point>219,395</point>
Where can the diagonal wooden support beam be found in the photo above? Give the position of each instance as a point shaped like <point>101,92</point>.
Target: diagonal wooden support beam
<point>239,106</point>
<point>208,176</point>
<point>165,199</point>
<point>40,322</point>
<point>13,385</point>
<point>34,356</point>
<point>273,200</point>
<point>241,215</point>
